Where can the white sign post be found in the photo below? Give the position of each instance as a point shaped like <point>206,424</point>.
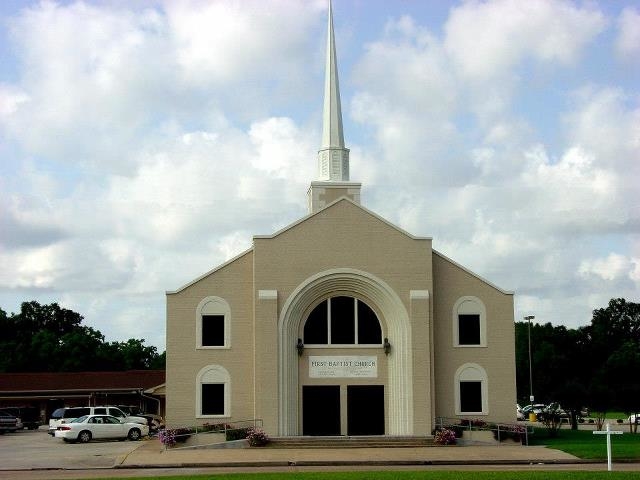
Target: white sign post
<point>608,432</point>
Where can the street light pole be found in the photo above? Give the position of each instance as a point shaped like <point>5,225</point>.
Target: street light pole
<point>529,318</point>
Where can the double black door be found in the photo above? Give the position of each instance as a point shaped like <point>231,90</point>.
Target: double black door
<point>321,412</point>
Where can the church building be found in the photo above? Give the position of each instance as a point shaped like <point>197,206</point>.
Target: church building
<point>339,324</point>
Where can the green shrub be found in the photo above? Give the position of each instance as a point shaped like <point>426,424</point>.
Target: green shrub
<point>237,434</point>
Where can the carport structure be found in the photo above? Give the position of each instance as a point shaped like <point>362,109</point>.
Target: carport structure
<point>50,390</point>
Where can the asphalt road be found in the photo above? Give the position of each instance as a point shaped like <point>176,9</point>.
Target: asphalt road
<point>35,449</point>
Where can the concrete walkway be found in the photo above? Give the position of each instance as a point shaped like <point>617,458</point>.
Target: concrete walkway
<point>151,454</point>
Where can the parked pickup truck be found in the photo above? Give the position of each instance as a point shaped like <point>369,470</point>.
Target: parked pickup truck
<point>9,423</point>
<point>30,416</point>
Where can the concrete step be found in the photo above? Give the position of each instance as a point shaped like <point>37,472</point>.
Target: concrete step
<point>351,442</point>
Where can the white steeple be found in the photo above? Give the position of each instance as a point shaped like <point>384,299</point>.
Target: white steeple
<point>333,157</point>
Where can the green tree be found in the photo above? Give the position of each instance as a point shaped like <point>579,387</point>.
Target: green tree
<point>595,365</point>
<point>134,355</point>
<point>51,338</point>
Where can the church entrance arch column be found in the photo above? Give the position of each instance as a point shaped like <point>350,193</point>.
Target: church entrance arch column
<point>398,330</point>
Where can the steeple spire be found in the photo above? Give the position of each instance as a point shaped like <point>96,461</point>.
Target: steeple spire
<point>333,157</point>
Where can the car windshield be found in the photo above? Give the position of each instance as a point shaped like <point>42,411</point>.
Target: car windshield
<point>79,419</point>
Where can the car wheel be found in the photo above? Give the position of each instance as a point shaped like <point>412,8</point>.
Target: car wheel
<point>84,436</point>
<point>134,434</point>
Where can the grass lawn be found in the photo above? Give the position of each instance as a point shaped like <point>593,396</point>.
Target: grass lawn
<point>584,444</point>
<point>435,475</point>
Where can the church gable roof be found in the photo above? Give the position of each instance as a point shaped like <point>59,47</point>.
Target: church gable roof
<point>473,274</point>
<point>210,272</point>
<point>336,204</point>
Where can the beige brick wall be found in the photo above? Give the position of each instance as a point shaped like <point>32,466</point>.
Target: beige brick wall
<point>497,358</point>
<point>233,283</point>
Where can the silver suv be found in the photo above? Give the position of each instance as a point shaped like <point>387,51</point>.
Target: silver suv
<point>68,414</point>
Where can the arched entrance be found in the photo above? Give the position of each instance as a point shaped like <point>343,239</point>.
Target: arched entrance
<point>397,328</point>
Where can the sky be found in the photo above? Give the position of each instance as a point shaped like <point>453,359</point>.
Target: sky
<point>144,143</point>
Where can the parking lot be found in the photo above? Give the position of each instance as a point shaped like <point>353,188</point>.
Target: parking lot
<point>37,449</point>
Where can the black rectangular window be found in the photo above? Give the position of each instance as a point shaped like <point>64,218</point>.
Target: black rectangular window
<point>315,329</point>
<point>213,399</point>
<point>369,331</point>
<point>471,397</point>
<point>213,330</point>
<point>343,321</point>
<point>469,329</point>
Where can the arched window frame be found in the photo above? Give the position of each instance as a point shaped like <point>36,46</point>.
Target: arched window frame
<point>472,372</point>
<point>213,374</point>
<point>469,305</point>
<point>213,305</point>
<point>342,345</point>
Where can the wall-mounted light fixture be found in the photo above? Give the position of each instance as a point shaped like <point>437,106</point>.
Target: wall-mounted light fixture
<point>387,346</point>
<point>300,347</point>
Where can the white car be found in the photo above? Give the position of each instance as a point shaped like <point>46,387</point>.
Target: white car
<point>88,427</point>
<point>69,414</point>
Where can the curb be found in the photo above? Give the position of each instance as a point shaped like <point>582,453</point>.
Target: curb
<point>346,463</point>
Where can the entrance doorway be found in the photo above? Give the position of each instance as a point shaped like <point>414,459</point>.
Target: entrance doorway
<point>365,410</point>
<point>321,410</point>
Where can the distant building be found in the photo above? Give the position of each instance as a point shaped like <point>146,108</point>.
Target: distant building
<point>339,324</point>
<point>48,391</point>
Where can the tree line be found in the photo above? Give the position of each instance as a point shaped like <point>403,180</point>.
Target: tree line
<point>48,338</point>
<point>595,366</point>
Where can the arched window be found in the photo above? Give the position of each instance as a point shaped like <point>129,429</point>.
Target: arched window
<point>471,390</point>
<point>213,392</point>
<point>213,323</point>
<point>342,320</point>
<point>469,323</point>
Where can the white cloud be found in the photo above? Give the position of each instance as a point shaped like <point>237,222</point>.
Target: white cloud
<point>486,39</point>
<point>10,99</point>
<point>226,41</point>
<point>97,79</point>
<point>606,122</point>
<point>628,42</point>
<point>612,267</point>
<point>143,137</point>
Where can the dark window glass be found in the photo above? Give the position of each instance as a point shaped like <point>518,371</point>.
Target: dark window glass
<point>76,412</point>
<point>100,411</point>
<point>343,328</point>
<point>315,328</point>
<point>213,399</point>
<point>471,397</point>
<point>213,330</point>
<point>469,329</point>
<point>369,331</point>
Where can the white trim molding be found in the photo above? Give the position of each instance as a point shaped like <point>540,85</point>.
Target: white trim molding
<point>213,306</point>
<point>394,319</point>
<point>213,374</point>
<point>267,294</point>
<point>472,372</point>
<point>419,294</point>
<point>469,305</point>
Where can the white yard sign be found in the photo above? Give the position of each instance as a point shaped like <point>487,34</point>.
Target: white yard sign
<point>343,366</point>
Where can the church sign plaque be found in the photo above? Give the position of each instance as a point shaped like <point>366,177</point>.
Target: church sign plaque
<point>343,366</point>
